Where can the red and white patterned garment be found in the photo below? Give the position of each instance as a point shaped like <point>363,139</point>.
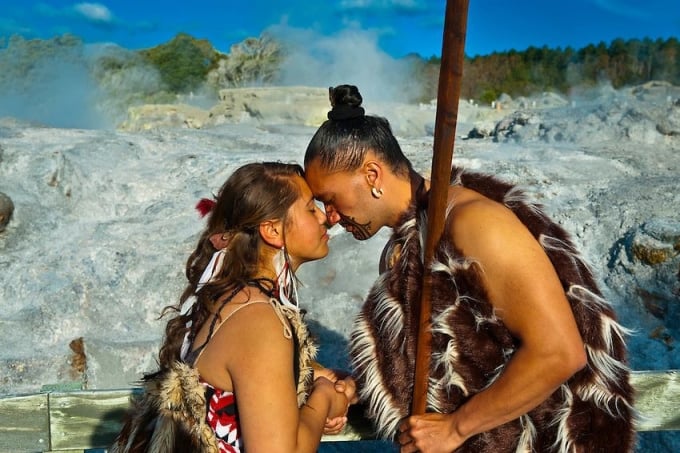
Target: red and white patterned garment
<point>222,416</point>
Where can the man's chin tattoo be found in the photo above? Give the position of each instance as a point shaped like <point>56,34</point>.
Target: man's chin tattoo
<point>360,232</point>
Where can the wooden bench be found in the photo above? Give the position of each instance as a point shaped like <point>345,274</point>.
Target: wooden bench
<point>81,420</point>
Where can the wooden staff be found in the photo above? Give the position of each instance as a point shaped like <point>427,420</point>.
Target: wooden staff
<point>450,78</point>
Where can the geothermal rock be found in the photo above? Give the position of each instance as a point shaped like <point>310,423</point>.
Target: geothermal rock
<point>6,210</point>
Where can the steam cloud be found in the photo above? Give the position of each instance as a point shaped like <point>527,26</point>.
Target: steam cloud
<point>59,89</point>
<point>352,56</point>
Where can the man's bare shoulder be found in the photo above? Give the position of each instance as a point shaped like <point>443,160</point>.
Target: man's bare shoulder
<point>470,208</point>
<point>477,223</point>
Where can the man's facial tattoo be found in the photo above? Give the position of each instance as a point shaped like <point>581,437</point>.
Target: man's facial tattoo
<point>359,231</point>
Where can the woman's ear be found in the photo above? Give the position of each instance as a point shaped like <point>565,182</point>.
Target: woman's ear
<point>220,240</point>
<point>271,232</point>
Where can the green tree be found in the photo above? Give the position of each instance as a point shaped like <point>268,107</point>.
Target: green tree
<point>544,69</point>
<point>183,62</point>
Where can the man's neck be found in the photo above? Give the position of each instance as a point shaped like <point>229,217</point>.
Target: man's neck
<point>406,192</point>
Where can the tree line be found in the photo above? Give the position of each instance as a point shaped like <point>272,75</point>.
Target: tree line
<point>521,73</point>
<point>185,64</point>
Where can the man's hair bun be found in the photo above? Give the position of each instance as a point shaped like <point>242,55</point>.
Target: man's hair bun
<point>346,102</point>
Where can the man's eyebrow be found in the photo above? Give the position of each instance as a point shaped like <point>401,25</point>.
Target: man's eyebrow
<point>322,197</point>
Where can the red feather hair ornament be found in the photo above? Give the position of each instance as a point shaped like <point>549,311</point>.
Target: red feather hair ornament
<point>204,206</point>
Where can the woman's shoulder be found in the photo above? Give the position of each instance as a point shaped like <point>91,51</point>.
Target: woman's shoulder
<point>247,329</point>
<point>252,310</point>
<point>245,303</point>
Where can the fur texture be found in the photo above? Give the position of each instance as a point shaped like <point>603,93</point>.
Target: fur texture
<point>592,412</point>
<point>169,415</point>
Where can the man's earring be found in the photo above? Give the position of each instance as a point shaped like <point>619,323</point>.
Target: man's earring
<point>377,193</point>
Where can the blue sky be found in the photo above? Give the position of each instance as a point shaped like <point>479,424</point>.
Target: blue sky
<point>397,27</point>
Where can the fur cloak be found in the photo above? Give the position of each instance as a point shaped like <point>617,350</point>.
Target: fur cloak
<point>592,412</point>
<point>169,416</point>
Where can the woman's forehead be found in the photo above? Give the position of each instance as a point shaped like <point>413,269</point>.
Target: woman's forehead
<point>303,186</point>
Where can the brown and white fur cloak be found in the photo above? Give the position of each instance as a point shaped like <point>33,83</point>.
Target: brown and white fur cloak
<point>591,412</point>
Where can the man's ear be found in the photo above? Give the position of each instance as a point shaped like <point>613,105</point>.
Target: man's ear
<point>271,232</point>
<point>374,173</point>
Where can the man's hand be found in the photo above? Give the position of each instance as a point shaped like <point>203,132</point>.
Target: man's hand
<point>348,386</point>
<point>428,433</point>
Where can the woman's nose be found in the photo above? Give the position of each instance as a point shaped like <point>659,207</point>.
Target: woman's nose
<point>321,216</point>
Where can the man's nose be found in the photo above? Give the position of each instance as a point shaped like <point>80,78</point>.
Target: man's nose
<point>332,215</point>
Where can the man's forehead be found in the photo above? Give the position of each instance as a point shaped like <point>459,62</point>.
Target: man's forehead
<point>322,196</point>
<point>319,182</point>
<point>326,185</point>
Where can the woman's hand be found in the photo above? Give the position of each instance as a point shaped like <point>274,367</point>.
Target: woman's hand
<point>347,387</point>
<point>338,402</point>
<point>327,373</point>
<point>334,425</point>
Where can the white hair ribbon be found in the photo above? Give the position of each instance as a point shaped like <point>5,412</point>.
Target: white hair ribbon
<point>213,268</point>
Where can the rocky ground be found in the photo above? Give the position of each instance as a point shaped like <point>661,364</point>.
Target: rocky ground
<point>103,221</point>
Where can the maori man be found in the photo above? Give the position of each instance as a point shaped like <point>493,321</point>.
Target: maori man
<point>526,354</point>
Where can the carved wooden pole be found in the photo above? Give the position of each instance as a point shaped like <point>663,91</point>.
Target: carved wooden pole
<point>450,78</point>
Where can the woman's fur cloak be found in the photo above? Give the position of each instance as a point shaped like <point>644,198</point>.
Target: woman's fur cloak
<point>169,416</point>
<point>592,412</point>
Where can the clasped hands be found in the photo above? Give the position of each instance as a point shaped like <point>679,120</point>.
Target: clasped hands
<point>344,384</point>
